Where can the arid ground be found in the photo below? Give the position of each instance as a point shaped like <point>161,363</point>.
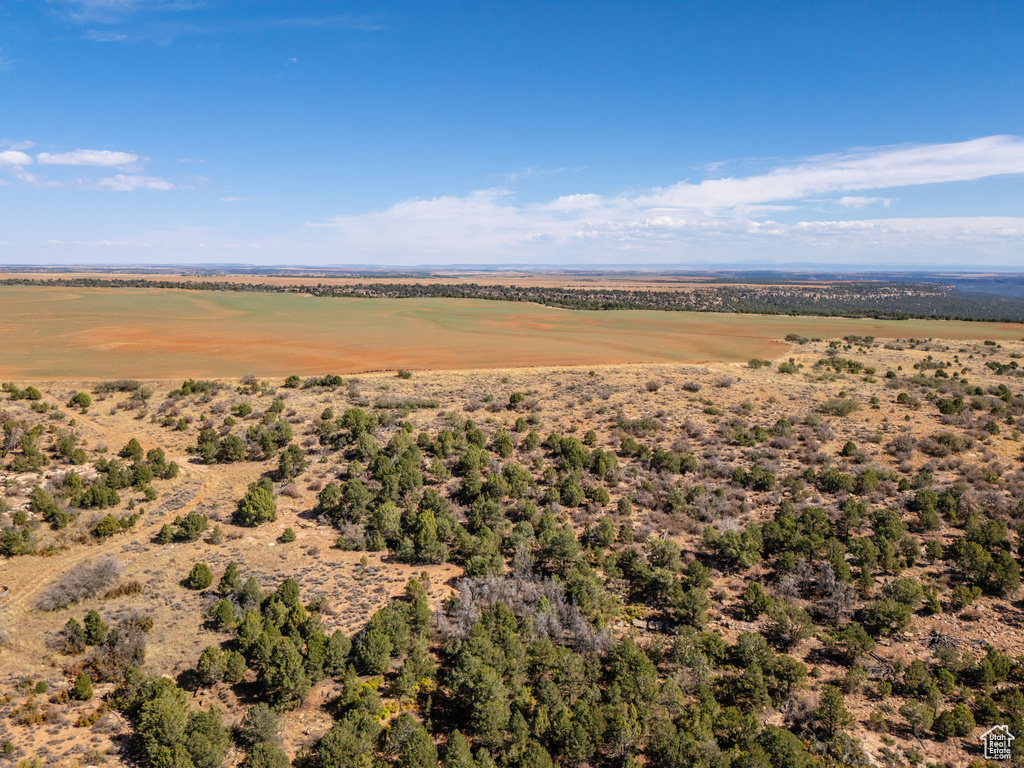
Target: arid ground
<point>711,412</point>
<point>56,332</point>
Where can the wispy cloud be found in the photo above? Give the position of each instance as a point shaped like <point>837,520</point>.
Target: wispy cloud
<point>696,216</point>
<point>99,157</point>
<point>863,202</point>
<point>531,172</point>
<point>105,36</point>
<point>112,11</point>
<point>864,169</point>
<point>33,180</point>
<point>16,144</point>
<point>235,199</point>
<point>163,21</point>
<point>123,183</point>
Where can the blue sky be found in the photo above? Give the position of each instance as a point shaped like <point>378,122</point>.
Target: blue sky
<point>678,133</point>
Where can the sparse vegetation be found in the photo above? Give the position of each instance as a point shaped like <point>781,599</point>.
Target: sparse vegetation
<point>599,571</point>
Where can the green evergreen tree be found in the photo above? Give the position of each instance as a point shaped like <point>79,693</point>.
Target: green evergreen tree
<point>234,667</point>
<point>207,739</point>
<point>95,629</point>
<point>831,716</point>
<point>265,755</point>
<point>82,689</point>
<point>411,744</point>
<point>457,753</point>
<point>200,577</point>
<point>210,667</point>
<point>80,400</point>
<point>338,648</point>
<point>132,451</point>
<point>283,675</point>
<point>487,703</point>
<point>260,724</point>
<point>292,462</point>
<point>73,637</point>
<point>223,614</point>
<point>257,506</point>
<point>373,652</point>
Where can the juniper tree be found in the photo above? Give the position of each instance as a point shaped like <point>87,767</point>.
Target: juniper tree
<point>257,506</point>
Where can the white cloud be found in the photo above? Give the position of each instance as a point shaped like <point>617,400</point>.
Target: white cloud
<point>14,157</point>
<point>878,168</point>
<point>532,171</point>
<point>693,220</point>
<point>110,11</point>
<point>568,203</point>
<point>17,144</point>
<point>235,199</point>
<point>30,178</point>
<point>101,157</point>
<point>122,183</point>
<point>863,202</point>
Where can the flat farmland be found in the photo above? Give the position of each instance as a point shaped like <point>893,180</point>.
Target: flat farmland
<point>152,333</point>
<point>522,279</point>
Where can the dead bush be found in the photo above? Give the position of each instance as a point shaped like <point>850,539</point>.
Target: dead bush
<point>125,589</point>
<point>903,443</point>
<point>693,428</point>
<point>80,582</point>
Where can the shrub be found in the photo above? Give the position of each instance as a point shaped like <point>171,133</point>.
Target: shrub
<point>44,505</point>
<point>189,528</point>
<point>80,400</point>
<point>838,406</point>
<point>78,583</point>
<point>82,689</point>
<point>200,577</point>
<point>257,506</point>
<point>132,451</point>
<point>107,526</point>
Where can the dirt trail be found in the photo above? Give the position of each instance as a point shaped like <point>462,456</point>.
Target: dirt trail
<point>17,603</point>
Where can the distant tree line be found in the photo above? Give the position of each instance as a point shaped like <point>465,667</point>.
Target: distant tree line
<point>880,300</point>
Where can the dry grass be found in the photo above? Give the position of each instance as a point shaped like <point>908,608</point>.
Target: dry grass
<point>690,409</point>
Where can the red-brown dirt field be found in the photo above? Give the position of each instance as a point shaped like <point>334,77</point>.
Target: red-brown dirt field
<point>56,332</point>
